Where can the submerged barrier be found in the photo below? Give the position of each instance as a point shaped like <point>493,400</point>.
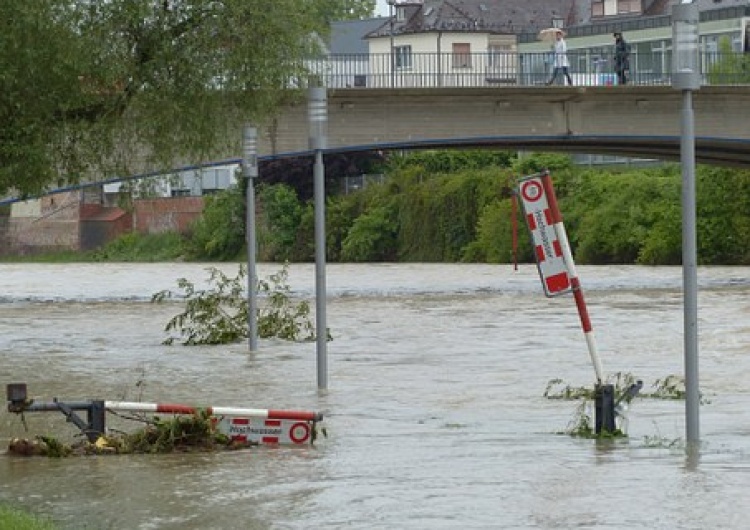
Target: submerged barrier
<point>243,425</point>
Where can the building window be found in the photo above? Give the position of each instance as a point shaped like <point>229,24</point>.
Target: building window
<point>605,8</point>
<point>628,6</point>
<point>403,56</point>
<point>499,55</point>
<point>461,55</point>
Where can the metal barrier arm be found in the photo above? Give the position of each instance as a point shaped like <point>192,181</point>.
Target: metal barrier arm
<point>71,416</point>
<point>272,425</point>
<point>627,396</point>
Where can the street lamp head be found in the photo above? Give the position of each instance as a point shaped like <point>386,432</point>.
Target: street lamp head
<point>391,2</point>
<point>685,46</point>
<point>317,113</point>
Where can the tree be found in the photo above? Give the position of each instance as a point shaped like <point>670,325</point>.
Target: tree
<point>113,87</point>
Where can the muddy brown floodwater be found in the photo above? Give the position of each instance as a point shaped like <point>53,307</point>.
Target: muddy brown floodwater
<point>434,412</point>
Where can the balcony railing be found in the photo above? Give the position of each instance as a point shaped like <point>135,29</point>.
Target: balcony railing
<point>431,70</point>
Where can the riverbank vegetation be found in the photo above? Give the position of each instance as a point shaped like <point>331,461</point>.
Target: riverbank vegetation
<point>15,519</point>
<point>456,206</point>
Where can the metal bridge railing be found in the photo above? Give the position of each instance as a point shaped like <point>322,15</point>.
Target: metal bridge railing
<point>431,70</point>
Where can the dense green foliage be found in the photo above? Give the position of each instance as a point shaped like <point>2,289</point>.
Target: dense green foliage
<point>731,68</point>
<point>611,216</point>
<point>281,216</point>
<point>219,234</point>
<point>114,87</point>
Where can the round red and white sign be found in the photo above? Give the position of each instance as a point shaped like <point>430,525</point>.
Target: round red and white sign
<point>299,432</point>
<point>531,190</point>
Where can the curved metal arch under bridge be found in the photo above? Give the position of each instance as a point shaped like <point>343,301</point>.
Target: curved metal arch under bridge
<point>629,121</point>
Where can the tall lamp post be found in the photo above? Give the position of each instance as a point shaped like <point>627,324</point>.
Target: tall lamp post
<point>318,120</point>
<point>686,77</point>
<point>391,3</point>
<point>250,172</point>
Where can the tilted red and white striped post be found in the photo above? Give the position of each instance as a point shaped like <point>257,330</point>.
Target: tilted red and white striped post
<point>552,251</point>
<point>575,284</point>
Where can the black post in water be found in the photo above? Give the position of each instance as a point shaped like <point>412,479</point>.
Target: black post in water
<point>604,405</point>
<point>97,418</point>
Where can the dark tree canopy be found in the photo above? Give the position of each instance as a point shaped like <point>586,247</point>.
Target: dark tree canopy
<point>297,172</point>
<point>107,88</point>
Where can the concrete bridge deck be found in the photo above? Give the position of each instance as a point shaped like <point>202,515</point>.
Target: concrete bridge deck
<point>637,121</point>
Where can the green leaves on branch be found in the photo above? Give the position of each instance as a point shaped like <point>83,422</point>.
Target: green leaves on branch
<point>219,313</point>
<point>112,88</point>
<point>671,387</point>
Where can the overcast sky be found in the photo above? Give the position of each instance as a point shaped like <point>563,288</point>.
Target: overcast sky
<point>381,9</point>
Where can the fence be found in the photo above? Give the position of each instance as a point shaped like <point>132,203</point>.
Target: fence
<point>587,68</point>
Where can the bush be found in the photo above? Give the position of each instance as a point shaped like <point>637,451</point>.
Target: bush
<point>372,237</point>
<point>219,233</point>
<point>133,246</point>
<point>219,314</point>
<point>282,214</point>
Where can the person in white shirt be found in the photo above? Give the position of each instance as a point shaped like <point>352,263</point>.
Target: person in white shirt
<point>560,59</point>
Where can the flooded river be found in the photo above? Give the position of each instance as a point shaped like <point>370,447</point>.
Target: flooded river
<point>435,411</point>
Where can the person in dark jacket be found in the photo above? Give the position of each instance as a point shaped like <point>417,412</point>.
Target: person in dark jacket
<point>622,58</point>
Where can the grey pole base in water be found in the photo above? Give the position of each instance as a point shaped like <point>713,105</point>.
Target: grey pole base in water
<point>690,270</point>
<point>321,328</point>
<point>318,118</point>
<point>250,172</point>
<point>686,76</point>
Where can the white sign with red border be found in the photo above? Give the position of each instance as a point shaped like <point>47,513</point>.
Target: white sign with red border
<point>265,431</point>
<point>547,248</point>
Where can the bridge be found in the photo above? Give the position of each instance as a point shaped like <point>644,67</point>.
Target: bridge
<point>630,121</point>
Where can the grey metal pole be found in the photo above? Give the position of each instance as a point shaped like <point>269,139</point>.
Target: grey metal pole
<point>250,172</point>
<point>390,55</point>
<point>686,77</point>
<point>318,116</point>
<point>690,269</point>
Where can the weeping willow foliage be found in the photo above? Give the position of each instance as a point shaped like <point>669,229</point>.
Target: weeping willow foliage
<point>438,217</point>
<point>91,88</point>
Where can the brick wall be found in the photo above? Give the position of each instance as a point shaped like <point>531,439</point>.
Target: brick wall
<point>168,214</point>
<point>60,222</point>
<point>44,225</point>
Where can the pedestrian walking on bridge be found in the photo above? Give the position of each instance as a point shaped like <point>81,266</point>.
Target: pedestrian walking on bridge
<point>560,59</point>
<point>622,58</point>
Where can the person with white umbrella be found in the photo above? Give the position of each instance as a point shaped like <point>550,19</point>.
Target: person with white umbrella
<point>560,58</point>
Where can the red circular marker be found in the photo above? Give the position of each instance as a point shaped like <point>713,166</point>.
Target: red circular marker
<point>531,190</point>
<point>305,432</point>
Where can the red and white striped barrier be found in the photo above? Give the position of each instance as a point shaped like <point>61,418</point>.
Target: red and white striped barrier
<point>554,258</point>
<point>171,408</point>
<point>261,426</point>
